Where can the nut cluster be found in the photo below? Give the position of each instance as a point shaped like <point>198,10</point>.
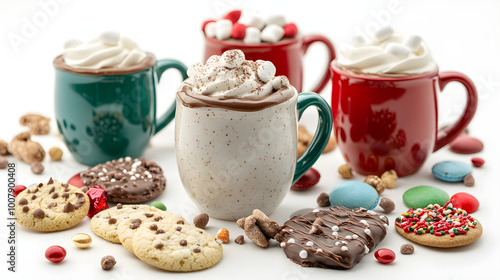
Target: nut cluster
<point>375,182</point>
<point>259,228</point>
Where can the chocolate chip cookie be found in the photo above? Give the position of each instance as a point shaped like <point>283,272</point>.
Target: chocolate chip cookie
<point>105,223</point>
<point>126,180</point>
<point>128,227</point>
<point>176,248</point>
<point>52,206</point>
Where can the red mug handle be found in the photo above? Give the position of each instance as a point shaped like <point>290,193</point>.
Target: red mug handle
<point>307,41</point>
<point>447,134</point>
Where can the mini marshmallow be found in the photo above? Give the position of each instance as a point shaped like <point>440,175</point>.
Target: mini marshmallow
<point>213,59</point>
<point>110,38</point>
<point>252,36</point>
<point>232,58</point>
<point>412,42</point>
<point>272,33</point>
<point>252,19</point>
<point>276,19</point>
<point>223,29</point>
<point>359,41</point>
<point>279,82</point>
<point>210,29</point>
<point>266,71</point>
<point>290,30</point>
<point>397,50</point>
<point>72,43</point>
<point>383,33</point>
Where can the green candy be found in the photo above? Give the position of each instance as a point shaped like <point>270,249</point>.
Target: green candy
<point>159,205</point>
<point>422,196</point>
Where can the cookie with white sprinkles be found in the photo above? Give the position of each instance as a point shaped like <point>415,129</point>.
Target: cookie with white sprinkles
<point>126,180</point>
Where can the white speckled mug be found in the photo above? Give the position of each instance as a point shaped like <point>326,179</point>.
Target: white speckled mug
<point>237,155</point>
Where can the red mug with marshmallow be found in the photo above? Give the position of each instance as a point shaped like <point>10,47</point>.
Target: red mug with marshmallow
<point>271,39</point>
<point>391,123</point>
<point>384,104</point>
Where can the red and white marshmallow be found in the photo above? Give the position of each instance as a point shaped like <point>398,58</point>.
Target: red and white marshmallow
<point>250,27</point>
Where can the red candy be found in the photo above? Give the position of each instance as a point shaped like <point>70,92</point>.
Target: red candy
<point>98,200</point>
<point>290,30</point>
<point>238,31</point>
<point>18,189</point>
<point>477,162</point>
<point>76,181</point>
<point>205,24</point>
<point>55,254</point>
<point>307,181</point>
<point>465,201</point>
<point>465,144</point>
<point>233,16</point>
<point>385,256</point>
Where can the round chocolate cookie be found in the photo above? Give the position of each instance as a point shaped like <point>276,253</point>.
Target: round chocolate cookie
<point>126,179</point>
<point>335,238</point>
<point>51,207</point>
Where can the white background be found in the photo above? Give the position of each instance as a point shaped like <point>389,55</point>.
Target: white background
<point>462,35</point>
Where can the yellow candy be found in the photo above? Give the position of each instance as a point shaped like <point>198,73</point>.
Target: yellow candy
<point>81,240</point>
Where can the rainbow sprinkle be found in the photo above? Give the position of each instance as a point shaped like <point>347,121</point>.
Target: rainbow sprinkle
<point>436,220</point>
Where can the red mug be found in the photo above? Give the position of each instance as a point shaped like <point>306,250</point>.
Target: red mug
<point>384,123</point>
<point>286,55</point>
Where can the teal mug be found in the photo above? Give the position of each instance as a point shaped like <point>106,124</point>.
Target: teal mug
<point>108,113</point>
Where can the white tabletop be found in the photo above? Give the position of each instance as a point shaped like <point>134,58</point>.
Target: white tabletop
<point>462,35</point>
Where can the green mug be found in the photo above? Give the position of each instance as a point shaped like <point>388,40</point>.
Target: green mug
<point>104,114</point>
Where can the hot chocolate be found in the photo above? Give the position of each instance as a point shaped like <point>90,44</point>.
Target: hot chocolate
<point>236,135</point>
<point>109,54</point>
<point>387,54</point>
<point>231,82</point>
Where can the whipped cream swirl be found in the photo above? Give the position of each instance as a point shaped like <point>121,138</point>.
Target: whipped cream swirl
<point>388,53</point>
<point>231,76</point>
<point>110,49</point>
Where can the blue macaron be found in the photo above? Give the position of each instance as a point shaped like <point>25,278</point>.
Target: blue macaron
<point>451,171</point>
<point>354,194</point>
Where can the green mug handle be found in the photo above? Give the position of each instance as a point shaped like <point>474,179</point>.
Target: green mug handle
<point>322,135</point>
<point>160,67</point>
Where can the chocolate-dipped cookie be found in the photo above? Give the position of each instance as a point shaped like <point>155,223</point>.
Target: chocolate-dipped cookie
<point>127,180</point>
<point>335,238</point>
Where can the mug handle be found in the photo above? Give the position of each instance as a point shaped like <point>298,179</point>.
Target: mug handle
<point>446,135</point>
<point>322,134</point>
<point>162,66</point>
<point>307,41</point>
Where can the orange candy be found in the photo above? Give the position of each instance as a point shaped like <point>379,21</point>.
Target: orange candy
<point>223,235</point>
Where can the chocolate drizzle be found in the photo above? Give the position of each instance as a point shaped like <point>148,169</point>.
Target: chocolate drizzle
<point>193,100</point>
<point>335,238</point>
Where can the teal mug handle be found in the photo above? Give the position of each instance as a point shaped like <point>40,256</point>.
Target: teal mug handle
<point>322,135</point>
<point>162,66</point>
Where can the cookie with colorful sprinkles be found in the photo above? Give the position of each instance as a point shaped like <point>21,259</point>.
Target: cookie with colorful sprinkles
<point>436,226</point>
